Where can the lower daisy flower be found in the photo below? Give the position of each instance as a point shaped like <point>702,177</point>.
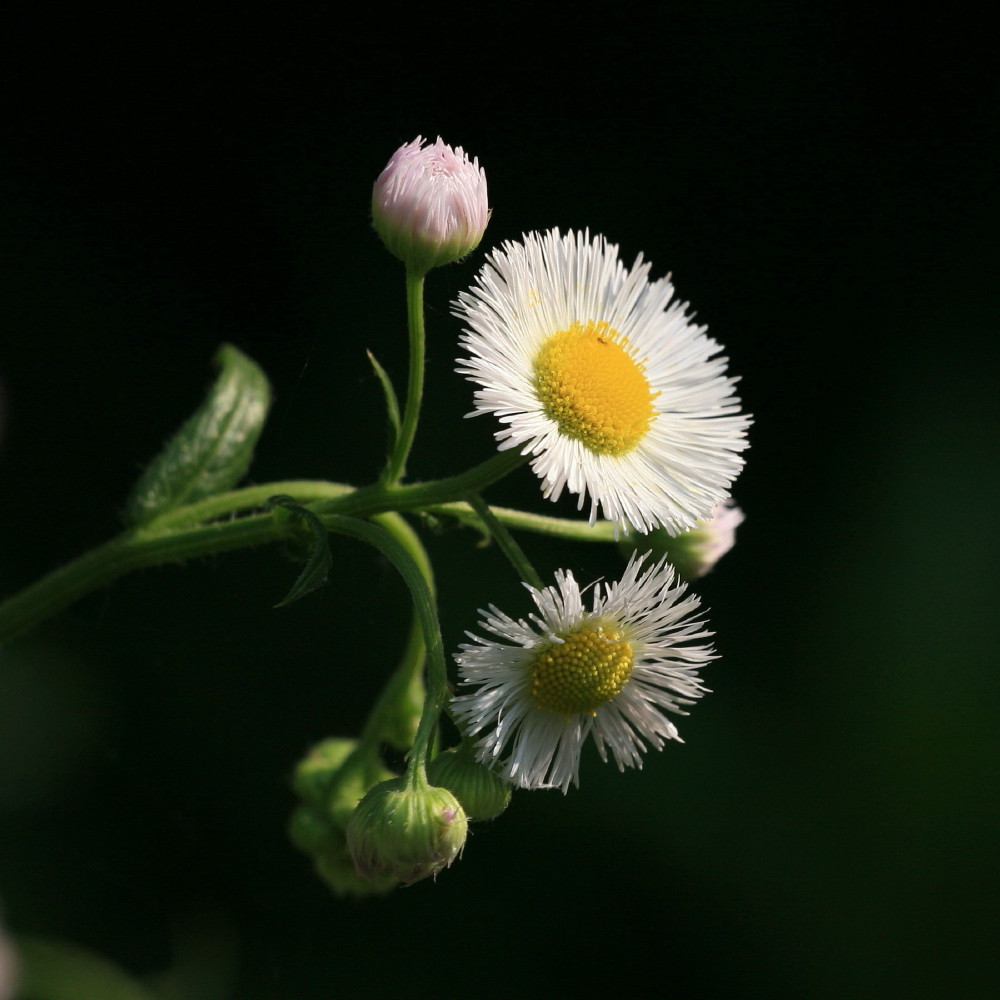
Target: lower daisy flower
<point>597,373</point>
<point>570,673</point>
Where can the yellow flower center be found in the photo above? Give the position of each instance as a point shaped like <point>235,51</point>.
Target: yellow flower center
<point>593,389</point>
<point>585,671</point>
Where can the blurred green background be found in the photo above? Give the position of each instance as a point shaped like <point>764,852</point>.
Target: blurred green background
<point>822,187</point>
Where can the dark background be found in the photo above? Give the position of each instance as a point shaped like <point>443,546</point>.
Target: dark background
<point>822,188</point>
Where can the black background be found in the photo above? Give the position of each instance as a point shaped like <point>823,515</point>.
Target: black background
<point>821,185</point>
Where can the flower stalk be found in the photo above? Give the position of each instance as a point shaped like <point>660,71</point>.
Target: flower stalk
<point>396,467</point>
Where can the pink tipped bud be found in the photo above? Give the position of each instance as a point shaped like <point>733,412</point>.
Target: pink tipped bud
<point>429,204</point>
<point>693,553</point>
<point>718,534</point>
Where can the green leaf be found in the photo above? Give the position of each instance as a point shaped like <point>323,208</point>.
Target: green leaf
<point>391,400</point>
<point>318,560</point>
<point>212,450</point>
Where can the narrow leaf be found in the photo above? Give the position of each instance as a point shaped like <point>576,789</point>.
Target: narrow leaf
<point>318,561</point>
<point>212,450</point>
<point>391,400</point>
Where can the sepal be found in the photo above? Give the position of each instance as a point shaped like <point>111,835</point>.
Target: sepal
<point>308,526</point>
<point>391,399</point>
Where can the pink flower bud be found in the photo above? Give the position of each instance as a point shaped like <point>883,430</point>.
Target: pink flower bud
<point>693,553</point>
<point>719,534</point>
<point>429,204</point>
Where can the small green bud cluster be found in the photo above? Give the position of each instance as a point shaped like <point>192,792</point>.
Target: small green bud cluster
<point>330,781</point>
<point>368,831</point>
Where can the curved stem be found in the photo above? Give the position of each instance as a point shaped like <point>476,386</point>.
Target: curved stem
<point>229,503</point>
<point>425,606</point>
<point>340,498</point>
<point>418,496</point>
<point>403,695</point>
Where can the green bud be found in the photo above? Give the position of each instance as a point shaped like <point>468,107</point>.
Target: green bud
<point>312,833</point>
<point>350,787</point>
<point>332,778</point>
<point>399,726</point>
<point>336,868</point>
<point>314,774</point>
<point>483,794</point>
<point>406,833</point>
<point>309,830</point>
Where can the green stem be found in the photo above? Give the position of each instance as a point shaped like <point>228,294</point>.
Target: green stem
<point>248,498</point>
<point>425,607</point>
<point>419,496</point>
<point>396,467</point>
<point>339,498</point>
<point>405,688</point>
<point>540,524</point>
<point>129,551</point>
<point>183,534</point>
<point>505,541</point>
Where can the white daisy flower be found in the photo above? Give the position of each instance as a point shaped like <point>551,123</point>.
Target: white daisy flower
<point>570,673</point>
<point>597,373</point>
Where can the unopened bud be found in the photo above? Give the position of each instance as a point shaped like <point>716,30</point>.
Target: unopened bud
<point>482,792</point>
<point>429,204</point>
<point>314,774</point>
<point>332,778</point>
<point>406,833</point>
<point>310,831</point>
<point>335,867</point>
<point>692,553</point>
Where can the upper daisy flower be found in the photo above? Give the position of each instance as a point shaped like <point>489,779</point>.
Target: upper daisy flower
<point>598,374</point>
<point>429,204</point>
<point>570,673</point>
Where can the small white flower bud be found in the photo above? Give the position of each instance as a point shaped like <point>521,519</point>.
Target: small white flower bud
<point>693,553</point>
<point>429,204</point>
